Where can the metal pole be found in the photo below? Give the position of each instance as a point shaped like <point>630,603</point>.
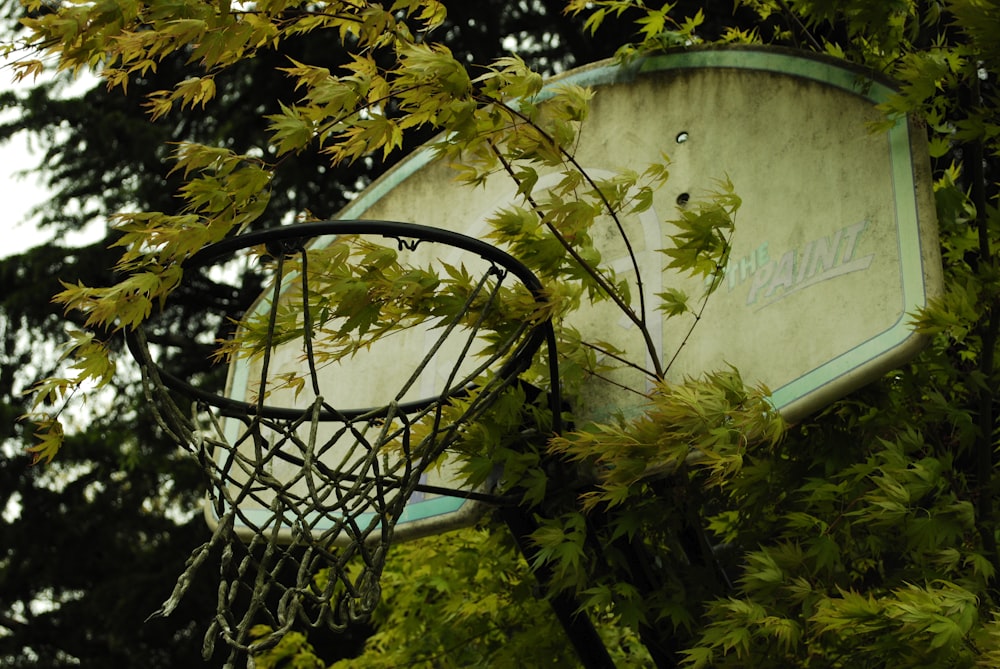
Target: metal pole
<point>581,632</point>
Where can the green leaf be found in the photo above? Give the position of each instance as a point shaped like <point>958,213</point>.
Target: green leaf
<point>674,302</point>
<point>50,438</point>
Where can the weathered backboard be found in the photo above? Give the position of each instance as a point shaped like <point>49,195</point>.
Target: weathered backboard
<point>835,243</point>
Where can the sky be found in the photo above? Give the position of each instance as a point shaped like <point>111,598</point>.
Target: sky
<point>20,193</point>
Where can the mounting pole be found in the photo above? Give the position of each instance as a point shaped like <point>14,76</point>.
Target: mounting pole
<point>581,632</point>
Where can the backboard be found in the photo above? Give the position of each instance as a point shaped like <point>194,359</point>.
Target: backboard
<point>834,246</point>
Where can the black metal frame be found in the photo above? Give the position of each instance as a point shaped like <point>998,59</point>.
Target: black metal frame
<point>408,236</point>
<point>292,238</point>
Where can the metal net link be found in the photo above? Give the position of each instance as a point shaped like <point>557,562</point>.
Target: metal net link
<point>307,500</point>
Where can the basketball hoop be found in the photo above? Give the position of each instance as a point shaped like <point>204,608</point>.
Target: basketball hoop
<point>326,481</point>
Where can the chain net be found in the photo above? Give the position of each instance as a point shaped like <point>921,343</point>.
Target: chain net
<point>306,489</point>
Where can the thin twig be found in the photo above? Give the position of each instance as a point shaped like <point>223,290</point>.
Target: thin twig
<point>716,279</point>
<point>618,358</point>
<point>604,202</point>
<point>805,31</point>
<point>611,292</point>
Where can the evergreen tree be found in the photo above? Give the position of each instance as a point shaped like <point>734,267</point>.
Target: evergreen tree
<point>864,535</point>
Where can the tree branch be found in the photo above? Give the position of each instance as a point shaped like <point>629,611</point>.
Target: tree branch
<point>638,319</point>
<point>990,329</point>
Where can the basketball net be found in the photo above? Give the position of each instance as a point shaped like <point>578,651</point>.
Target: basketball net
<point>326,484</point>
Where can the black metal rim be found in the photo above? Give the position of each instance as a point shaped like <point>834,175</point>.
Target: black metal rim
<point>518,362</point>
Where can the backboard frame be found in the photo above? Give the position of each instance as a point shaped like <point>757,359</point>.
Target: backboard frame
<point>910,203</point>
